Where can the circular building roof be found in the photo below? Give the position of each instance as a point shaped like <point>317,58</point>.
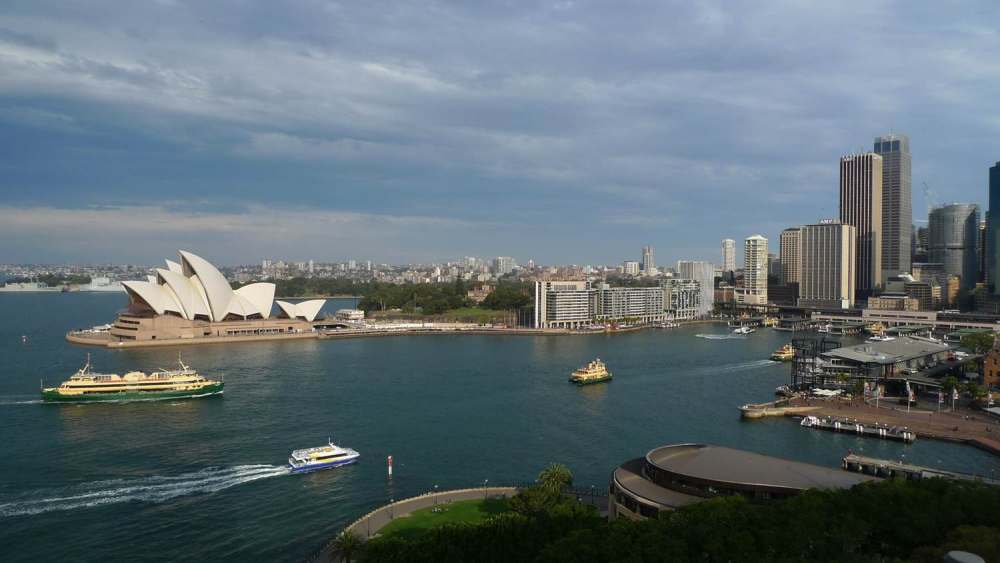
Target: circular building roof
<point>741,469</point>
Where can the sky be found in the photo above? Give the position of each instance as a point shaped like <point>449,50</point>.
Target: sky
<point>404,132</point>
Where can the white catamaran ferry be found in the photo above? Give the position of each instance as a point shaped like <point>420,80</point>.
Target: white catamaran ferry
<point>323,457</point>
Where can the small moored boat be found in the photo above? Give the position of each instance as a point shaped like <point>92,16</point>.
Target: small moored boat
<point>322,457</point>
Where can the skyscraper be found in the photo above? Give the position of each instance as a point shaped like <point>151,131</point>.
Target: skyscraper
<point>953,229</point>
<point>897,208</point>
<point>861,206</point>
<point>790,265</point>
<point>754,290</point>
<point>647,260</point>
<point>827,253</point>
<point>728,255</point>
<point>993,230</point>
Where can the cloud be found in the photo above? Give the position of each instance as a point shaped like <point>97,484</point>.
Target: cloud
<point>113,233</point>
<point>726,118</point>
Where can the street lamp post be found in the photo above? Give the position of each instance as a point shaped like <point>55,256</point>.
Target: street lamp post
<point>486,489</point>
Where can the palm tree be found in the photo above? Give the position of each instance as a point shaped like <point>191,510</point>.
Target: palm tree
<point>556,477</point>
<point>347,543</point>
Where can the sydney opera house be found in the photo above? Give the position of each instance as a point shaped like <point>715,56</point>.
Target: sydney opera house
<point>191,299</point>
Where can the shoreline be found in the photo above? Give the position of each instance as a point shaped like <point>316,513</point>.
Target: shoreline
<point>974,428</point>
<point>104,340</point>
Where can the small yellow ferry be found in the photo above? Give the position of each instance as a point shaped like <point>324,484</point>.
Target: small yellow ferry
<point>87,386</point>
<point>784,354</point>
<point>594,372</point>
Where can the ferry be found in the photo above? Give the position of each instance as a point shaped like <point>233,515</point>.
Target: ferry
<point>744,330</point>
<point>594,372</point>
<point>87,386</point>
<point>322,457</point>
<point>784,354</point>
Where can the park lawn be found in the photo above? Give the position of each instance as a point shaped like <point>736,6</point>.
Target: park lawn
<point>467,511</point>
<point>464,314</point>
<point>473,315</point>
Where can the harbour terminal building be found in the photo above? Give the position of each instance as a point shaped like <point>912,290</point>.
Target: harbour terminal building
<point>191,300</point>
<point>920,362</point>
<point>671,477</point>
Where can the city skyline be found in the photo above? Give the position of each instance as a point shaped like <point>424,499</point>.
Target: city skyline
<point>331,130</point>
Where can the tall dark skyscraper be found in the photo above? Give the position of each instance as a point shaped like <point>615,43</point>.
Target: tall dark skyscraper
<point>897,205</point>
<point>993,230</point>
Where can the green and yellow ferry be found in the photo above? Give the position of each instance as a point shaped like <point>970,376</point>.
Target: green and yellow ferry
<point>86,386</point>
<point>594,372</point>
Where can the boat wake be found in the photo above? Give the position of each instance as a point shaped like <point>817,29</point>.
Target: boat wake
<point>736,367</point>
<point>743,366</point>
<point>141,489</point>
<point>722,336</point>
<point>27,402</point>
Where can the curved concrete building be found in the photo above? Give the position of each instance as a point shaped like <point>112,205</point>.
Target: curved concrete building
<point>671,477</point>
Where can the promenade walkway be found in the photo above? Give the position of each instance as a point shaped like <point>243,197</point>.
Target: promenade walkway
<point>369,525</point>
<point>972,427</point>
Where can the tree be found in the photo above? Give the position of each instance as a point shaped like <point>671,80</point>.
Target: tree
<point>347,543</point>
<point>979,342</point>
<point>555,477</point>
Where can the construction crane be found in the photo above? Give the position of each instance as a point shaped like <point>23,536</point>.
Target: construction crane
<point>929,196</point>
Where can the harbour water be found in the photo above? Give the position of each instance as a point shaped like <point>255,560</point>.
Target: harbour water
<point>205,479</point>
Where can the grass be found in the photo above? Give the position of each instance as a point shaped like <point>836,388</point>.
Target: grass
<point>464,314</point>
<point>467,511</point>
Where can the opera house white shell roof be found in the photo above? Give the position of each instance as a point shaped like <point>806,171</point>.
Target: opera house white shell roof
<point>306,310</point>
<point>195,290</point>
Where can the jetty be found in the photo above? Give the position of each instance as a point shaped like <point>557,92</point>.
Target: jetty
<point>853,426</point>
<point>975,428</point>
<point>889,469</point>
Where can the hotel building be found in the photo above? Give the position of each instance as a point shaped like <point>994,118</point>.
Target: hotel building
<point>827,262</point>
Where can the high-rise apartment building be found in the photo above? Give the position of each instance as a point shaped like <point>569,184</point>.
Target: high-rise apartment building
<point>754,290</point>
<point>503,265</point>
<point>636,304</point>
<point>953,232</point>
<point>648,264</point>
<point>993,230</point>
<point>861,206</point>
<point>897,208</point>
<point>728,255</point>
<point>827,252</point>
<point>789,248</point>
<point>630,268</point>
<point>562,304</point>
<point>704,274</point>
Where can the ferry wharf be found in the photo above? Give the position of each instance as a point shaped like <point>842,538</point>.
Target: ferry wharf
<point>974,428</point>
<point>896,469</point>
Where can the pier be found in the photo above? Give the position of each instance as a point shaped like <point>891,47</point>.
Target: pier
<point>974,428</point>
<point>853,426</point>
<point>889,469</point>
